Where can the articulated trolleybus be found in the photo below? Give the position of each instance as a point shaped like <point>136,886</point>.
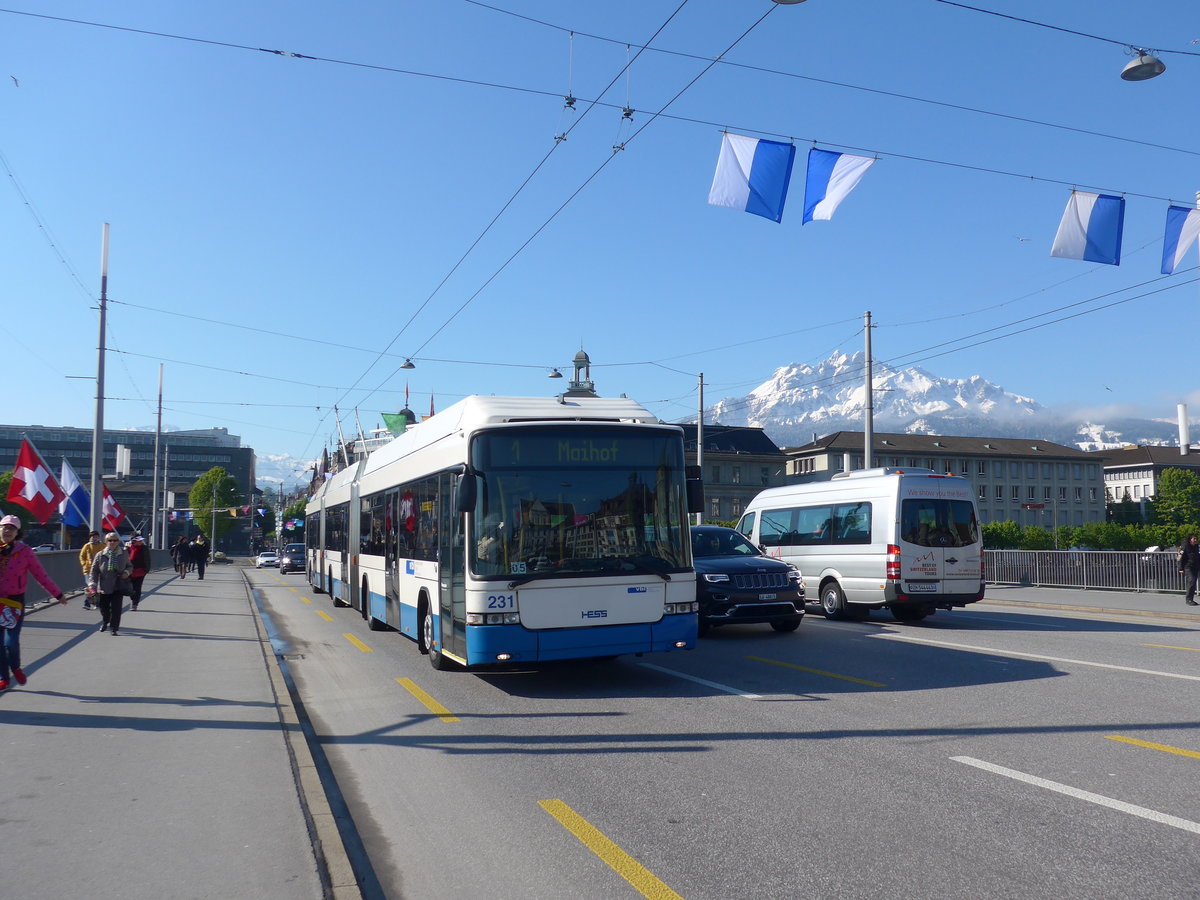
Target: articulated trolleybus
<point>512,529</point>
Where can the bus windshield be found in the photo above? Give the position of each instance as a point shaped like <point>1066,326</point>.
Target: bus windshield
<point>578,500</point>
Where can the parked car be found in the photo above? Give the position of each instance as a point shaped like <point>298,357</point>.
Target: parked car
<point>266,558</point>
<point>292,559</point>
<point>44,548</point>
<point>737,584</point>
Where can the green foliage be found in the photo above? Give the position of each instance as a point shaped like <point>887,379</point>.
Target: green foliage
<point>1177,501</point>
<point>10,509</point>
<point>1035,537</point>
<point>1002,536</point>
<point>219,484</point>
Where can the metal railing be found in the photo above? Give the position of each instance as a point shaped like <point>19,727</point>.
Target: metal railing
<point>1119,570</point>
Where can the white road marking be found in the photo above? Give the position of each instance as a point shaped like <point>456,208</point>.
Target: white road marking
<point>1058,659</point>
<point>1098,799</point>
<point>712,684</point>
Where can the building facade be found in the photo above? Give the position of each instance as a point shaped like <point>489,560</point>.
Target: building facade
<point>1029,482</point>
<point>737,463</point>
<point>1132,473</point>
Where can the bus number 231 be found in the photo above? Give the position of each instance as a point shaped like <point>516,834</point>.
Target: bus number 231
<point>501,601</point>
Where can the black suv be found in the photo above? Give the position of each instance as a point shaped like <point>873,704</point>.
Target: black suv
<point>292,559</point>
<point>736,583</point>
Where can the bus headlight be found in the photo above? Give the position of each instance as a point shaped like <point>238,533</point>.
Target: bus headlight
<point>680,609</point>
<point>508,618</point>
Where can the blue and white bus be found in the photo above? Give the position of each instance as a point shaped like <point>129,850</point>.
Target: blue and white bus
<point>512,529</point>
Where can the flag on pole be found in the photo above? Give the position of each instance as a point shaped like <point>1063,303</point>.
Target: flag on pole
<point>113,514</point>
<point>830,179</point>
<point>752,175</point>
<point>1183,226</point>
<point>76,509</point>
<point>33,486</point>
<point>396,423</point>
<point>1091,228</point>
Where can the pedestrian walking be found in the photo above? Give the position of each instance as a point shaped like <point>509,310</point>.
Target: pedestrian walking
<point>1189,567</point>
<point>179,555</point>
<point>139,558</point>
<point>17,563</point>
<point>110,575</point>
<point>200,555</point>
<point>90,549</point>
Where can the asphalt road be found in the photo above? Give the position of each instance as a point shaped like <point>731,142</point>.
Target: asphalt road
<point>998,752</point>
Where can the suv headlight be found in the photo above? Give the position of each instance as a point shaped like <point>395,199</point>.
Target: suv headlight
<point>716,579</point>
<point>794,573</point>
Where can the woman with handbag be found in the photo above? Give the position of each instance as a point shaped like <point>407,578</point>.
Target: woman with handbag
<point>17,563</point>
<point>110,580</point>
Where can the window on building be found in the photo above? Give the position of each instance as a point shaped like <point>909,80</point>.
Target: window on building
<point>736,505</point>
<point>1092,493</point>
<point>998,468</point>
<point>1078,495</point>
<point>983,492</point>
<point>1030,470</point>
<point>1045,493</point>
<point>714,507</point>
<point>1137,491</point>
<point>1091,471</point>
<point>737,475</point>
<point>1016,492</point>
<point>764,475</point>
<point>999,492</point>
<point>1047,470</point>
<point>981,467</point>
<point>1031,493</point>
<point>1062,493</point>
<point>716,475</point>
<point>1062,470</point>
<point>1014,469</point>
<point>1077,471</point>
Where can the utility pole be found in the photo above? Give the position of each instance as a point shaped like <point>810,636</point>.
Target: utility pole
<point>96,513</point>
<point>869,419</point>
<point>154,507</point>
<point>699,443</point>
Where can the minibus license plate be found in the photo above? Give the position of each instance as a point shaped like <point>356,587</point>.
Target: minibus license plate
<point>916,587</point>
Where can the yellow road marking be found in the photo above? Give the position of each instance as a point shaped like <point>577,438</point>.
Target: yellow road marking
<point>294,590</point>
<point>357,643</point>
<point>776,662</point>
<point>1170,647</point>
<point>432,705</point>
<point>1165,748</point>
<point>305,600</point>
<point>324,615</point>
<point>621,862</point>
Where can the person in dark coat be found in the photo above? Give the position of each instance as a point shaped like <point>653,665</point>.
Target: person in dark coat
<point>139,558</point>
<point>1189,567</point>
<point>200,555</point>
<point>179,556</point>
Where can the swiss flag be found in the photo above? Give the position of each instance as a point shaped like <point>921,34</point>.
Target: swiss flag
<point>33,486</point>
<point>113,514</point>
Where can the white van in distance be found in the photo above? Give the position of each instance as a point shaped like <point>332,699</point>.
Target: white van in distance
<point>907,539</point>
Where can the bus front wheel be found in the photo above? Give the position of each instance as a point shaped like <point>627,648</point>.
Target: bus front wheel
<point>436,659</point>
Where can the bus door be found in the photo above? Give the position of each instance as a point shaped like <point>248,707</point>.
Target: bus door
<point>391,559</point>
<point>452,597</point>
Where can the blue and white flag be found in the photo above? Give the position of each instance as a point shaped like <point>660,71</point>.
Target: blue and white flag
<point>77,507</point>
<point>831,177</point>
<point>752,175</point>
<point>1091,228</point>
<point>1183,226</point>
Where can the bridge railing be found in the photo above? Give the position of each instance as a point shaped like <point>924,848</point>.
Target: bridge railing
<point>1120,570</point>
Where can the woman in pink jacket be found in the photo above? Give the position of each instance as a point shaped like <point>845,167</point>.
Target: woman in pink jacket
<point>17,561</point>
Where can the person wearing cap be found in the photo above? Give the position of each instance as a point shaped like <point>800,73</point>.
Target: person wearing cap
<point>90,549</point>
<point>110,566</point>
<point>17,562</point>
<point>139,558</point>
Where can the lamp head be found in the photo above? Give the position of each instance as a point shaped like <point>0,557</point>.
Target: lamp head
<point>1142,67</point>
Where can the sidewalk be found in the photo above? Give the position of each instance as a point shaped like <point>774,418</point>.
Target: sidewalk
<point>161,763</point>
<point>1129,603</point>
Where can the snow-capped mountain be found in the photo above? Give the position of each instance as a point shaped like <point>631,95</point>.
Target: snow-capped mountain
<point>273,469</point>
<point>800,401</point>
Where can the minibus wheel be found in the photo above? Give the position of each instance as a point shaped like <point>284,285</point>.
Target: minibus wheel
<point>833,601</point>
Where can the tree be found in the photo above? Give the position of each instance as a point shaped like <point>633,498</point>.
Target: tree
<point>215,484</point>
<point>1178,499</point>
<point>1002,535</point>
<point>6,508</point>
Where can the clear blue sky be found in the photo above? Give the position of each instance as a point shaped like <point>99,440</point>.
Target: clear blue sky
<point>327,199</point>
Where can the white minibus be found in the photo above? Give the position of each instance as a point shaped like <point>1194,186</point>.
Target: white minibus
<point>907,539</point>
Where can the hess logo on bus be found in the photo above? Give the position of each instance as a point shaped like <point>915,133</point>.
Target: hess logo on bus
<point>594,614</point>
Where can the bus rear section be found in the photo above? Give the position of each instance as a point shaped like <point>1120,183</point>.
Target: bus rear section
<point>936,561</point>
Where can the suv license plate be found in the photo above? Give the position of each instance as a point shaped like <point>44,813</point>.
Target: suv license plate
<point>766,596</point>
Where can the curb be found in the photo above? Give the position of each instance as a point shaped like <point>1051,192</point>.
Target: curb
<point>1100,610</point>
<point>337,874</point>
